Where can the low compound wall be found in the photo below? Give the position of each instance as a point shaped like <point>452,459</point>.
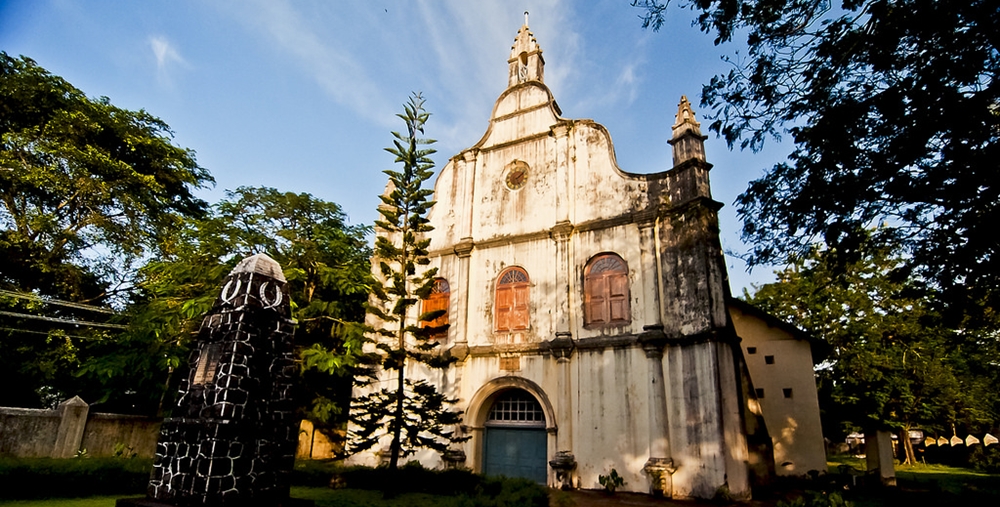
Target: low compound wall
<point>61,433</point>
<point>28,432</point>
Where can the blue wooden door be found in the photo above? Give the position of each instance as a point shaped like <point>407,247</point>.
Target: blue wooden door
<point>516,452</point>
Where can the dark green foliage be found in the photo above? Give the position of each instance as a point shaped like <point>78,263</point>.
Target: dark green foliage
<point>478,490</point>
<point>891,360</point>
<point>324,259</point>
<point>427,423</point>
<point>87,191</point>
<point>325,497</point>
<point>414,414</point>
<point>817,499</point>
<point>894,110</point>
<point>985,459</point>
<point>611,482</point>
<point>511,493</point>
<point>86,186</point>
<point>80,477</point>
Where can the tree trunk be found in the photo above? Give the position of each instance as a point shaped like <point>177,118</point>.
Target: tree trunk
<point>397,419</point>
<point>163,395</point>
<point>905,452</point>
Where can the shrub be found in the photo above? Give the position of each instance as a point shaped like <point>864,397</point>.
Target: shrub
<point>476,490</point>
<point>612,481</point>
<point>985,459</point>
<point>24,478</point>
<point>817,499</point>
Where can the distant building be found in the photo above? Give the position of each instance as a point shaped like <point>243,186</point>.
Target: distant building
<point>779,358</point>
<point>588,310</point>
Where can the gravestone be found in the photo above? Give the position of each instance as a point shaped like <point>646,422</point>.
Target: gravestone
<point>232,437</point>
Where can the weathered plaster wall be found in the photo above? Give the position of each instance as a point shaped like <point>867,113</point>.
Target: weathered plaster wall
<point>793,422</point>
<point>612,419</point>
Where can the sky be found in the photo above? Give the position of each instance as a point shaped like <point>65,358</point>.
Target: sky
<point>302,95</point>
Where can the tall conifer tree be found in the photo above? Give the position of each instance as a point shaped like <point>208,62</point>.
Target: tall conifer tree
<point>413,413</point>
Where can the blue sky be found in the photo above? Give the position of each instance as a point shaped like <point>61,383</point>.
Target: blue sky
<point>301,95</point>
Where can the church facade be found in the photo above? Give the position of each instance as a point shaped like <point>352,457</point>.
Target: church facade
<point>587,307</point>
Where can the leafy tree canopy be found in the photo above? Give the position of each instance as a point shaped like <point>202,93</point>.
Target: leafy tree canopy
<point>891,360</point>
<point>324,259</point>
<point>894,110</point>
<point>87,187</point>
<point>88,190</point>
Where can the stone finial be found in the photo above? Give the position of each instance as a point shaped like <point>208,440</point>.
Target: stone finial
<point>687,140</point>
<point>524,41</point>
<point>261,264</point>
<point>685,121</point>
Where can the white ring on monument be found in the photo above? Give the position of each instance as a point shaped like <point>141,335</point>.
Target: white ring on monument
<point>231,295</point>
<point>263,296</point>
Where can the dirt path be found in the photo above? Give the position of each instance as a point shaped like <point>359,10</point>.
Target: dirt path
<point>598,498</point>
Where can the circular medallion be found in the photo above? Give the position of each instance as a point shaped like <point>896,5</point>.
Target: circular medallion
<point>517,175</point>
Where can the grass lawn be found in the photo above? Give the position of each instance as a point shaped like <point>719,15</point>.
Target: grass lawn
<point>91,501</point>
<point>947,479</point>
<point>324,497</point>
<point>927,484</point>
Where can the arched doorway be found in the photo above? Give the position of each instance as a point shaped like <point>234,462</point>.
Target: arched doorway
<point>515,440</point>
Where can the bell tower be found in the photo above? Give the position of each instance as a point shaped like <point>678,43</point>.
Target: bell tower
<point>526,62</point>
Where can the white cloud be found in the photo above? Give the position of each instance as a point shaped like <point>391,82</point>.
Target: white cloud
<point>321,54</point>
<point>469,46</point>
<point>368,57</point>
<point>166,56</point>
<point>627,82</point>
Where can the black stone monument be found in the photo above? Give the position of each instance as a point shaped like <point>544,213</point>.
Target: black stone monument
<point>232,437</point>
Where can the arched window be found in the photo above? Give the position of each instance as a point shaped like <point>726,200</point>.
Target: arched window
<point>438,300</point>
<point>605,292</point>
<point>516,408</point>
<point>511,300</point>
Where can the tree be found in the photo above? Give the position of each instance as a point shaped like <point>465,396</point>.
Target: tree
<point>324,260</point>
<point>87,191</point>
<point>892,361</point>
<point>417,415</point>
<point>894,110</point>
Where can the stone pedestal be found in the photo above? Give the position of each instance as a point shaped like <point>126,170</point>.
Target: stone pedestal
<point>564,463</point>
<point>454,459</point>
<point>660,471</point>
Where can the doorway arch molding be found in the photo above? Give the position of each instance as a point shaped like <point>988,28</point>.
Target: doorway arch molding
<point>479,411</point>
<point>482,401</point>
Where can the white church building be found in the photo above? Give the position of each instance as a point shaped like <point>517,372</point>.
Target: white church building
<point>590,312</point>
